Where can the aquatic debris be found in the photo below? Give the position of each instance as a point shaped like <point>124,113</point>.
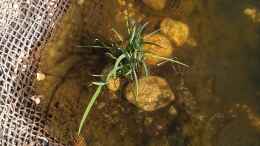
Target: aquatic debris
<point>164,48</point>
<point>156,4</point>
<point>177,31</point>
<point>154,93</point>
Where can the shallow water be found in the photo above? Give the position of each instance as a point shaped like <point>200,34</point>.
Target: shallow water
<point>218,97</point>
<point>224,78</point>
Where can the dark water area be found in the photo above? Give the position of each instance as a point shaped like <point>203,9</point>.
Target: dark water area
<point>226,75</point>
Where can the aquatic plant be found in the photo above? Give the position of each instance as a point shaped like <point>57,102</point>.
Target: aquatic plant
<point>128,60</point>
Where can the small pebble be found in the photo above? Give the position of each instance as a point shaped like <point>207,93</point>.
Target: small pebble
<point>101,105</point>
<point>172,111</point>
<point>40,76</point>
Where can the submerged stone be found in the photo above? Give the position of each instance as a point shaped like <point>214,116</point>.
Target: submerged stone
<point>177,31</point>
<point>153,93</point>
<point>158,45</point>
<point>113,84</point>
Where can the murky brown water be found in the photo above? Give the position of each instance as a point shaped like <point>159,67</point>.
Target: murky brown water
<point>218,97</point>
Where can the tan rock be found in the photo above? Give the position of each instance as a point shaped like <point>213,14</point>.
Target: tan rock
<point>113,84</point>
<point>161,46</point>
<point>155,4</point>
<point>177,31</point>
<point>153,93</point>
<point>252,13</point>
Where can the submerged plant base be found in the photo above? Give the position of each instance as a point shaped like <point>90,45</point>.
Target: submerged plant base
<point>128,60</point>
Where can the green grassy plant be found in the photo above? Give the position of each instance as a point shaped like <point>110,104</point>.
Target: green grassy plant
<point>129,61</point>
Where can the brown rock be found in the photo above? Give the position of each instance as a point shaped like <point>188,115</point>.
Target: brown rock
<point>177,31</point>
<point>161,47</point>
<point>113,84</point>
<point>153,93</point>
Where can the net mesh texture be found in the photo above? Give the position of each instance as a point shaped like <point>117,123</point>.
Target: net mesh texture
<point>25,26</point>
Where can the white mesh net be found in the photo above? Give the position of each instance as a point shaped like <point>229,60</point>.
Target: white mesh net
<point>24,27</point>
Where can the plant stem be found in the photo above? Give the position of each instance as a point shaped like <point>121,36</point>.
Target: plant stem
<point>89,106</point>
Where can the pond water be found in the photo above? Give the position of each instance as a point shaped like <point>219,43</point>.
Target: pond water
<point>218,97</point>
<point>224,77</point>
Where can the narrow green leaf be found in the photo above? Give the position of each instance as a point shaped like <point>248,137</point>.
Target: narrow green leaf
<point>113,72</point>
<point>136,83</point>
<point>153,32</point>
<point>89,107</point>
<point>145,69</point>
<point>117,34</point>
<point>111,55</point>
<point>167,59</point>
